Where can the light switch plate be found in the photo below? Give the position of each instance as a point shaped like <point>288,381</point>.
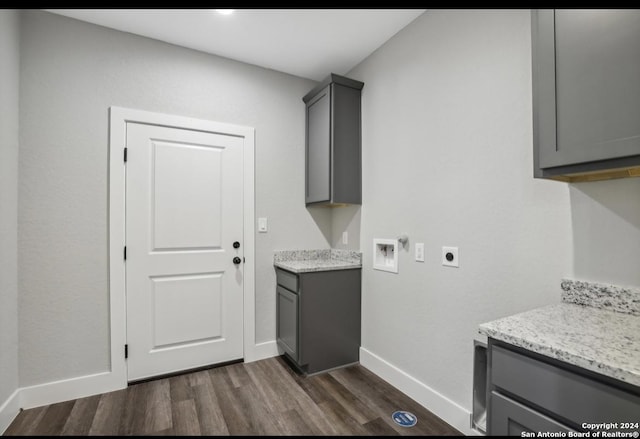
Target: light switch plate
<point>450,257</point>
<point>420,251</point>
<point>262,225</point>
<point>345,237</point>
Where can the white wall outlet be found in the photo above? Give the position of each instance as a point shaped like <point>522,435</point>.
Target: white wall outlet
<point>262,225</point>
<point>450,257</point>
<point>420,251</point>
<point>345,237</point>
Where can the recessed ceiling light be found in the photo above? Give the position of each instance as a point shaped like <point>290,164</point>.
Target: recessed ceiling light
<point>225,11</point>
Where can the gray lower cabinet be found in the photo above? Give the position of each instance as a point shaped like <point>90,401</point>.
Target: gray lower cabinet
<point>510,418</point>
<point>318,318</point>
<point>586,93</point>
<point>528,392</point>
<point>333,142</point>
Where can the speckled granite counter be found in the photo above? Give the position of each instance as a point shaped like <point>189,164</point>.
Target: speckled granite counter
<point>583,330</point>
<point>304,261</point>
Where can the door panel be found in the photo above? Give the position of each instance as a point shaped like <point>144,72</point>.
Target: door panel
<point>319,148</point>
<point>510,418</point>
<point>287,321</point>
<point>181,217</point>
<point>588,99</point>
<point>176,324</point>
<point>183,213</point>
<point>598,92</point>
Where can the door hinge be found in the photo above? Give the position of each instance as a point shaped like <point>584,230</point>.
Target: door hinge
<point>126,351</point>
<point>125,154</point>
<point>125,252</point>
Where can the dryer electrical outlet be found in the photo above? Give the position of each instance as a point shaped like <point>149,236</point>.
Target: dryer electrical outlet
<point>450,257</point>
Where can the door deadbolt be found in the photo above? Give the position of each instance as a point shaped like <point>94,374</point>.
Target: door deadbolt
<point>236,244</point>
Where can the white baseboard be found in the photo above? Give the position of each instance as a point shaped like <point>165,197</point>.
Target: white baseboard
<point>261,351</point>
<point>64,390</point>
<point>454,414</point>
<point>9,410</point>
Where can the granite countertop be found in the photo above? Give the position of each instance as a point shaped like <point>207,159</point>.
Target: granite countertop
<point>596,327</point>
<point>305,261</point>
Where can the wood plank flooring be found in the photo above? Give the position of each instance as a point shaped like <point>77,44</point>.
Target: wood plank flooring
<point>261,398</point>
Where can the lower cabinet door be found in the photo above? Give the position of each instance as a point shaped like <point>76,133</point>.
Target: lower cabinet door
<point>510,418</point>
<point>287,321</point>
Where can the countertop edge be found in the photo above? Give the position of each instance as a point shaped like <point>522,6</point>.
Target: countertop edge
<point>592,365</point>
<point>346,266</point>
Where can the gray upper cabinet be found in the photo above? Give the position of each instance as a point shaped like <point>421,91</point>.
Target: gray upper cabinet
<point>586,93</point>
<point>333,142</point>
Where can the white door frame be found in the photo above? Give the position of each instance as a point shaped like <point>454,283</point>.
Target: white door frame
<point>118,118</point>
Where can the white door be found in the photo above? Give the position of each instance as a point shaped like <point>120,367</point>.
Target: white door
<point>184,211</point>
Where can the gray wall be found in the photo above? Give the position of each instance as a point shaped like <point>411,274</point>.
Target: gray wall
<point>71,73</point>
<point>346,219</point>
<point>9,83</point>
<point>605,218</point>
<point>447,159</point>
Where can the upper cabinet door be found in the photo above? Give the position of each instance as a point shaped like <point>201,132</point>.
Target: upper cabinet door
<point>586,86</point>
<point>318,154</point>
<point>333,144</point>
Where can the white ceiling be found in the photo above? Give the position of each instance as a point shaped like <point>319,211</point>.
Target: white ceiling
<point>310,43</point>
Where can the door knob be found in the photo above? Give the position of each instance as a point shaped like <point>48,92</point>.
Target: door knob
<point>236,244</point>
<point>237,260</point>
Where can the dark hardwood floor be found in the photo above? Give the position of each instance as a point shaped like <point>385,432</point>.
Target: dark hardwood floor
<point>261,398</point>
